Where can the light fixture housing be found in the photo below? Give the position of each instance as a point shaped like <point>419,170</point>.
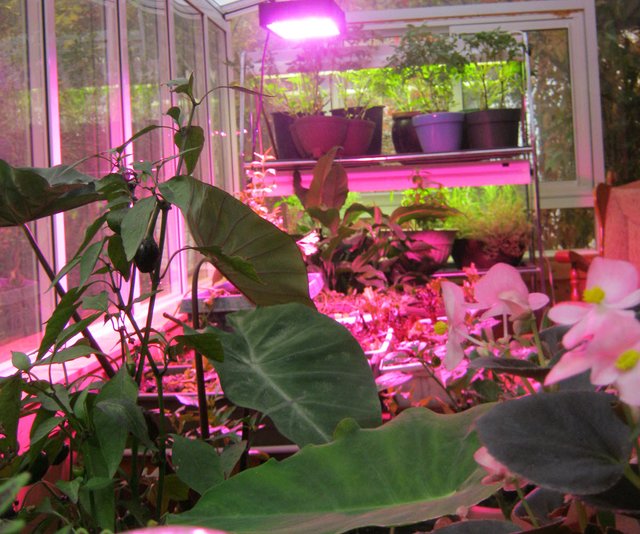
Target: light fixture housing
<point>302,19</point>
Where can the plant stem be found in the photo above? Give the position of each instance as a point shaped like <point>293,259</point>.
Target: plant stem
<point>632,476</point>
<point>527,508</point>
<point>102,359</point>
<point>542,361</point>
<point>202,394</point>
<point>583,520</point>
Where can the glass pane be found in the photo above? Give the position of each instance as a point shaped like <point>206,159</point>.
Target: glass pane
<point>148,70</point>
<point>551,79</point>
<point>189,45</point>
<point>88,99</point>
<point>568,228</point>
<point>218,135</point>
<point>19,290</point>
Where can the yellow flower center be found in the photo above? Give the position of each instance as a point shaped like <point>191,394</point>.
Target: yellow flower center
<point>440,328</point>
<point>628,360</point>
<point>594,295</point>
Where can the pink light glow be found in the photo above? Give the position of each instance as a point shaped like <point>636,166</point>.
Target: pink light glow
<point>305,28</point>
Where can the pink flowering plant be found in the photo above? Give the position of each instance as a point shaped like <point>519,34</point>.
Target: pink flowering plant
<point>567,442</point>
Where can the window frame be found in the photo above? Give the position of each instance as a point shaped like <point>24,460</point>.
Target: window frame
<point>46,132</point>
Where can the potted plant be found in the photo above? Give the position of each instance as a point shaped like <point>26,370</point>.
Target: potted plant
<point>422,244</point>
<point>354,91</point>
<point>404,103</point>
<point>431,62</point>
<point>493,81</point>
<point>305,95</point>
<point>492,225</point>
<point>352,95</point>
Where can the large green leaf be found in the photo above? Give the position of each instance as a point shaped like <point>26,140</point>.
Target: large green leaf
<point>301,368</point>
<point>10,395</point>
<point>216,218</point>
<point>329,186</point>
<point>29,193</point>
<point>196,463</point>
<point>571,442</point>
<point>416,467</point>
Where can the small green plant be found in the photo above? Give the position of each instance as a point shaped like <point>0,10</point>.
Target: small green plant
<point>495,215</point>
<point>493,73</point>
<point>430,63</point>
<point>354,90</point>
<point>424,207</point>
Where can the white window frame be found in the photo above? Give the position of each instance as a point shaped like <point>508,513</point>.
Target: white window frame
<point>578,18</point>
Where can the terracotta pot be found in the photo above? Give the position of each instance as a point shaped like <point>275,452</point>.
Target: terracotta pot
<point>493,128</point>
<point>427,251</point>
<point>468,251</point>
<point>315,135</point>
<point>403,134</point>
<point>358,138</point>
<point>374,114</point>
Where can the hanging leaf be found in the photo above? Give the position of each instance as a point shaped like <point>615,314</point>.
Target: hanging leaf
<point>135,225</point>
<point>196,463</point>
<point>118,257</point>
<point>571,442</point>
<point>329,186</point>
<point>59,318</point>
<point>206,343</point>
<point>190,141</point>
<point>416,467</point>
<point>301,368</point>
<point>217,219</point>
<point>10,397</point>
<point>29,193</point>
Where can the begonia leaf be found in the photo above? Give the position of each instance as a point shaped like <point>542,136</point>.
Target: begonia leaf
<point>569,441</point>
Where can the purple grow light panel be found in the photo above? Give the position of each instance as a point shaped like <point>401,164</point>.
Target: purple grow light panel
<point>302,19</point>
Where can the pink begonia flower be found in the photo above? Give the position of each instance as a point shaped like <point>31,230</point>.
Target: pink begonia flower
<point>613,355</point>
<point>497,472</point>
<point>455,308</point>
<point>503,292</point>
<point>612,285</point>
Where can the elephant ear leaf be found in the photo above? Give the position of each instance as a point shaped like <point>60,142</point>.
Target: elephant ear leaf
<point>232,236</point>
<point>29,193</point>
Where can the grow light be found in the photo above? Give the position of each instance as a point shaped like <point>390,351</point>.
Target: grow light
<point>302,19</point>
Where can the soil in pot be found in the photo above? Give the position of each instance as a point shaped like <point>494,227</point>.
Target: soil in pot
<point>492,128</point>
<point>403,134</point>
<point>467,251</point>
<point>315,135</point>
<point>439,132</point>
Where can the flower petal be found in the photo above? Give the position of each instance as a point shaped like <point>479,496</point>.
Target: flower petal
<point>569,312</point>
<point>454,354</point>
<point>538,300</point>
<point>617,278</point>
<point>629,301</point>
<point>571,364</point>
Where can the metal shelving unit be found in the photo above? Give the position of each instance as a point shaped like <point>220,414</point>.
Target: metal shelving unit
<point>383,173</point>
